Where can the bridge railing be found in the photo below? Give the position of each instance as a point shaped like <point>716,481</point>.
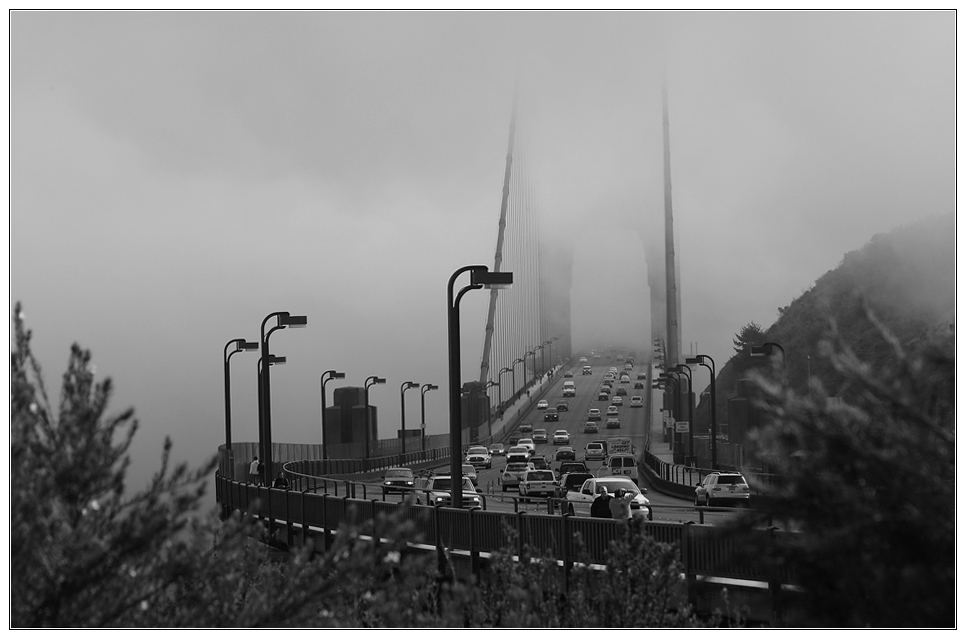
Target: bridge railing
<point>293,516</point>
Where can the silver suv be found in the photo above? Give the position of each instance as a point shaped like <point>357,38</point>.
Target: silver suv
<point>720,487</point>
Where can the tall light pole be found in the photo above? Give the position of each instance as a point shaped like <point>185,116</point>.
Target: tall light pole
<point>480,277</point>
<point>525,366</point>
<point>422,403</point>
<point>489,412</point>
<point>262,373</point>
<point>326,376</point>
<point>370,381</point>
<point>767,350</point>
<point>514,369</point>
<point>681,368</point>
<point>284,320</point>
<point>700,359</point>
<point>239,345</point>
<point>499,378</point>
<point>402,409</point>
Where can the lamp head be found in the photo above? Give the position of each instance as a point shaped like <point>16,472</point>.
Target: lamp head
<point>487,279</point>
<point>411,384</point>
<point>337,375</point>
<point>694,360</point>
<point>292,321</point>
<point>429,387</point>
<point>272,359</point>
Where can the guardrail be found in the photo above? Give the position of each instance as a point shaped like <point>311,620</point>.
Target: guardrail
<point>705,551</point>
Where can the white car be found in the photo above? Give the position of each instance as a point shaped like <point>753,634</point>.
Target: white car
<point>479,457</point>
<point>637,401</point>
<point>579,501</point>
<point>613,411</point>
<point>594,451</point>
<point>561,438</point>
<point>528,442</point>
<point>720,487</point>
<point>436,491</point>
<point>538,483</point>
<point>512,474</point>
<point>543,404</point>
<point>593,415</point>
<point>617,401</point>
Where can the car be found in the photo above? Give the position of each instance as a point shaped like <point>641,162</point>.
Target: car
<point>540,436</point>
<point>583,360</point>
<point>628,366</point>
<point>514,438</point>
<point>526,441</point>
<point>497,450</point>
<point>594,415</point>
<point>638,384</point>
<point>572,466</point>
<point>620,465</point>
<point>540,463</point>
<point>595,451</point>
<point>590,427</point>
<point>587,370</point>
<point>512,474</point>
<point>538,483</point>
<point>642,376</point>
<point>565,453</point>
<point>617,401</point>
<point>569,374</point>
<point>721,487</point>
<point>468,470</point>
<point>526,427</point>
<point>561,438</point>
<point>621,391</point>
<point>579,502</point>
<point>603,397</point>
<point>625,379</point>
<point>479,457</point>
<point>543,404</point>
<point>613,410</point>
<point>397,480</point>
<point>613,422</point>
<point>637,401</point>
<point>436,491</point>
<point>572,480</point>
<point>563,406</point>
<point>551,415</point>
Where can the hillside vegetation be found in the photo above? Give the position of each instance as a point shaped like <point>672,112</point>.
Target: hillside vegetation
<point>907,280</point>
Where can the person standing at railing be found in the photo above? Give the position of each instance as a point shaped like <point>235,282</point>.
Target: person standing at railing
<point>620,505</point>
<point>253,472</point>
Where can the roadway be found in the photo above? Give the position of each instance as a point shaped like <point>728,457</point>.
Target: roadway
<point>633,425</point>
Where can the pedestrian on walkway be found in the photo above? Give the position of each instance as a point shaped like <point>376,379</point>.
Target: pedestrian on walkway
<point>600,507</point>
<point>620,505</point>
<point>253,472</point>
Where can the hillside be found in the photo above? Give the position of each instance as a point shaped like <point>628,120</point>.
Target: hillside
<point>907,277</point>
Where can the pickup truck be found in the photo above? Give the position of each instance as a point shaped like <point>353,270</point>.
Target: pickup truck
<point>538,483</point>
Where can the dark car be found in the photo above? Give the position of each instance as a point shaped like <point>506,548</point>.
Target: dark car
<point>539,463</point>
<point>572,467</point>
<point>551,415</point>
<point>565,452</point>
<point>571,481</point>
<point>638,384</point>
<point>526,427</point>
<point>398,480</point>
<point>562,406</point>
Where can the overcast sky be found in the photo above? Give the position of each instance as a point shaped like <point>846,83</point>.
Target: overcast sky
<point>176,177</point>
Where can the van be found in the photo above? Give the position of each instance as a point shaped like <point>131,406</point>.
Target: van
<point>623,465</point>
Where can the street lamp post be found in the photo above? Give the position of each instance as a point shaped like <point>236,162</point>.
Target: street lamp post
<point>681,368</point>
<point>284,320</point>
<point>700,359</point>
<point>239,345</point>
<point>768,349</point>
<point>402,410</point>
<point>534,354</point>
<point>326,376</point>
<point>489,412</point>
<point>499,378</point>
<point>262,373</point>
<point>370,381</point>
<point>480,277</point>
<point>514,369</point>
<point>422,404</point>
